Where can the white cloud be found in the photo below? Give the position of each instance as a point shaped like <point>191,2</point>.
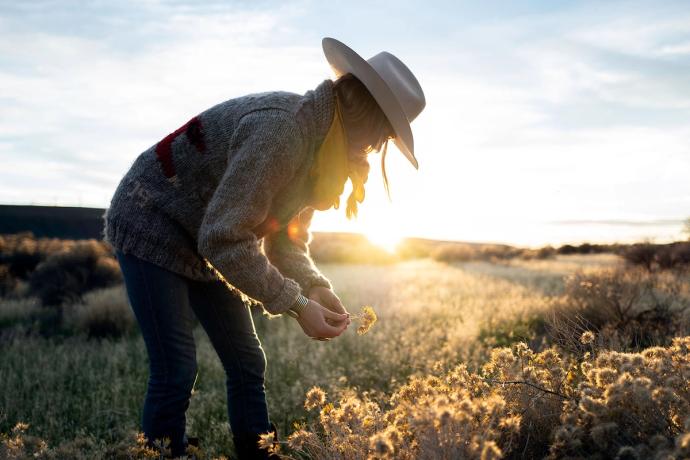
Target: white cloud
<point>96,108</point>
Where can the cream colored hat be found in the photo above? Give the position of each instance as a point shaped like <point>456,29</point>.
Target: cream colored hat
<point>389,81</point>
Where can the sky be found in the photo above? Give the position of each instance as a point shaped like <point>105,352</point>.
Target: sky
<point>546,122</point>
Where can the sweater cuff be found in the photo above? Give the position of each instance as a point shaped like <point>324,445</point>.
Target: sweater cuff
<point>312,281</point>
<point>286,299</point>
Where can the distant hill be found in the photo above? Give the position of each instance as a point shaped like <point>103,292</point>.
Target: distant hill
<point>75,223</point>
<point>52,221</point>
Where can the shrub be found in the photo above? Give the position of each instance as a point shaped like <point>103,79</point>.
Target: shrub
<point>521,404</point>
<point>8,283</point>
<point>587,248</point>
<point>101,313</point>
<point>674,255</point>
<point>546,252</point>
<point>454,252</point>
<point>629,405</point>
<point>643,254</point>
<point>19,444</point>
<point>67,274</point>
<point>658,256</point>
<point>465,252</point>
<point>497,252</point>
<point>18,311</point>
<point>21,252</point>
<point>630,307</point>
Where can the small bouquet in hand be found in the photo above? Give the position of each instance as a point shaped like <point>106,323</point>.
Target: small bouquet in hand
<point>367,318</point>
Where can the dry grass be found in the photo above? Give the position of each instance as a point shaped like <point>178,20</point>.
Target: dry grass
<point>440,375</point>
<point>526,404</point>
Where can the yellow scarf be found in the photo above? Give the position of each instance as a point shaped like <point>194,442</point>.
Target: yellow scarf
<point>332,168</point>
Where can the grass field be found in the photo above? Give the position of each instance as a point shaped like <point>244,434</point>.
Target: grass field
<point>83,396</point>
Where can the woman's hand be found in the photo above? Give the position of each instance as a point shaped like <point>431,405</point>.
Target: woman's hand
<point>324,296</point>
<point>313,321</point>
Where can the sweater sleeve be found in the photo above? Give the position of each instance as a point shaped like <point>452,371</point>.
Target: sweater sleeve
<point>288,249</point>
<point>264,154</point>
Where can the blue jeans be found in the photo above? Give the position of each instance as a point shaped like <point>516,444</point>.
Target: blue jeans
<point>165,304</point>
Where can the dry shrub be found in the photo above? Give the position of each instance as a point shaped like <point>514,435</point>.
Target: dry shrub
<point>522,404</point>
<point>465,252</point>
<point>588,248</point>
<point>101,313</point>
<point>21,252</point>
<point>454,253</point>
<point>658,256</point>
<point>674,255</point>
<point>17,310</point>
<point>498,252</point>
<point>629,308</point>
<point>18,317</point>
<point>19,444</point>
<point>459,414</point>
<point>347,248</point>
<point>9,285</point>
<point>642,254</point>
<point>546,252</point>
<point>67,274</point>
<point>629,405</point>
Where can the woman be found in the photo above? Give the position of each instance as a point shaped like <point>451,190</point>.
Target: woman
<point>188,218</point>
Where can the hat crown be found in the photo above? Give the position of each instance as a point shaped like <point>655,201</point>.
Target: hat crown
<point>389,81</point>
<point>401,81</point>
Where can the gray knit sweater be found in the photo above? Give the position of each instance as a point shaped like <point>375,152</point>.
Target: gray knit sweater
<point>201,201</point>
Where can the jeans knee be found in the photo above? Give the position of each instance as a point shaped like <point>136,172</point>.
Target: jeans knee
<point>184,377</point>
<point>179,378</point>
<point>252,367</point>
<point>261,363</point>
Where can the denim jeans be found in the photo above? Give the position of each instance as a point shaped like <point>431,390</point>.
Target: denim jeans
<point>165,304</point>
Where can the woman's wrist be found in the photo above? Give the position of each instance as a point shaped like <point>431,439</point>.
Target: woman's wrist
<point>298,307</point>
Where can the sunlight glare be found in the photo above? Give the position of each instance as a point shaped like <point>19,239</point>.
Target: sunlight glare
<point>384,238</point>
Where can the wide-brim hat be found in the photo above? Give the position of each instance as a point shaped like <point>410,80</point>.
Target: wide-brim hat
<point>389,81</point>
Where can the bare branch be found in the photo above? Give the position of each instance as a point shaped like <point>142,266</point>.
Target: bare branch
<point>529,384</point>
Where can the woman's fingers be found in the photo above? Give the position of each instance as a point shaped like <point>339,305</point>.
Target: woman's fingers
<point>326,330</point>
<point>318,321</point>
<point>333,322</point>
<point>332,330</point>
<point>336,304</point>
<point>333,315</point>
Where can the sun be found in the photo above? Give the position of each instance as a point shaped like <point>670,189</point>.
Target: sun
<point>384,238</point>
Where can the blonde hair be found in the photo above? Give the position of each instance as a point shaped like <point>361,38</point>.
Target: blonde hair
<point>368,130</point>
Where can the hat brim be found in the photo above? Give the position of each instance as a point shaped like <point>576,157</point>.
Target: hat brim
<point>343,60</point>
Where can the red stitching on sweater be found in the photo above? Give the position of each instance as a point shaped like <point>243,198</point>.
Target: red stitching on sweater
<point>194,133</point>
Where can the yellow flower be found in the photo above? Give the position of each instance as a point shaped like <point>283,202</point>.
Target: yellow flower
<point>368,318</point>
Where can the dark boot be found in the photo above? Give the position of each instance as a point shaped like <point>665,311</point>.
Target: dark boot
<point>247,446</point>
